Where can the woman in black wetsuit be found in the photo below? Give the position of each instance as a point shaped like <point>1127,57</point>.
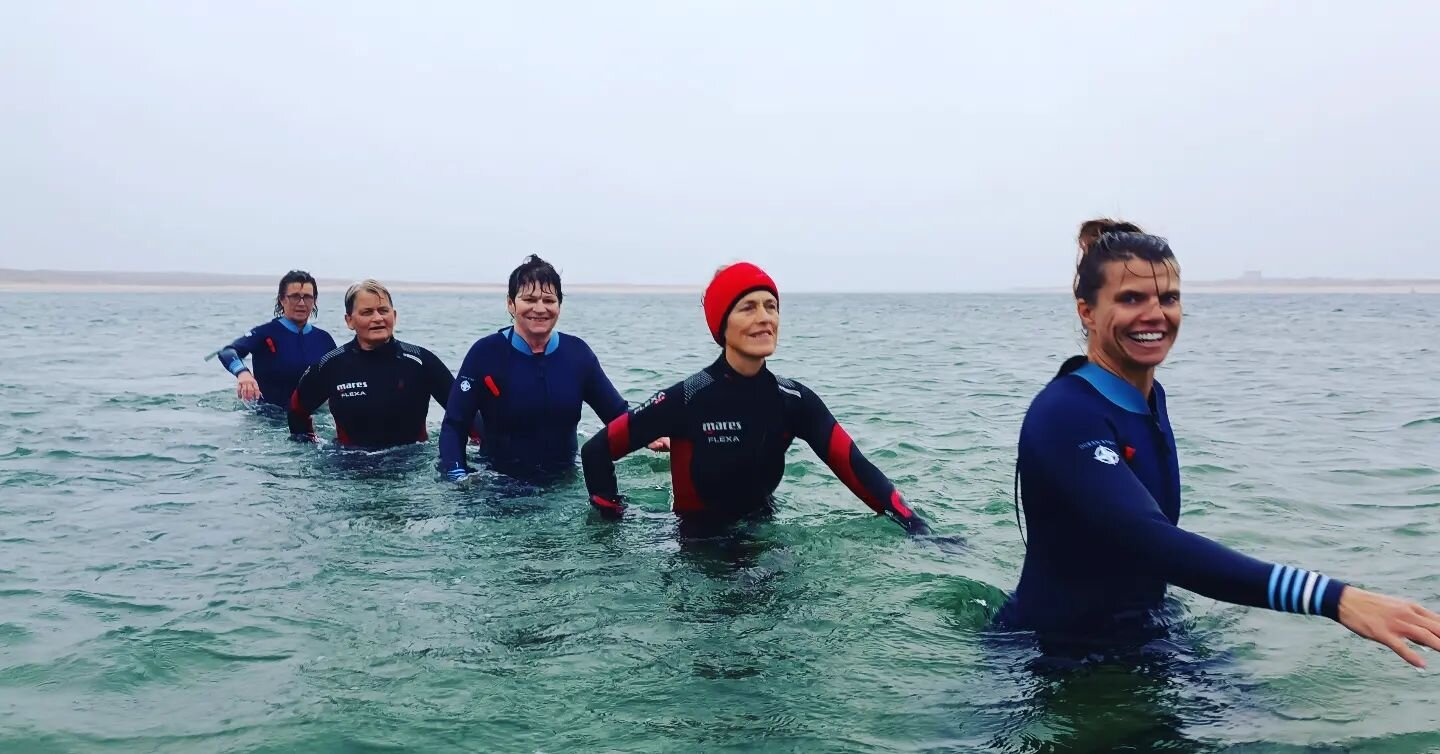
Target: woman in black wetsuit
<point>731,423</point>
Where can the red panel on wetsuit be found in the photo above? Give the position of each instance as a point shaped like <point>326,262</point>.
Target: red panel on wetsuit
<point>339,434</point>
<point>299,409</point>
<point>898,504</point>
<point>839,460</point>
<point>618,434</point>
<point>687,498</point>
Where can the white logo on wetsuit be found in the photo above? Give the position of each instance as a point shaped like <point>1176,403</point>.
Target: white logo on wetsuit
<point>654,400</point>
<point>1106,455</point>
<point>351,389</point>
<point>465,386</point>
<point>713,432</point>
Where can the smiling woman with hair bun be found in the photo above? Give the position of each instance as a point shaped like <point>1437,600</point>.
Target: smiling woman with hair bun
<point>1100,480</point>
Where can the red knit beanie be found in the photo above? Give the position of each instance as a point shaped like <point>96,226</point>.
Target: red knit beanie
<point>729,286</point>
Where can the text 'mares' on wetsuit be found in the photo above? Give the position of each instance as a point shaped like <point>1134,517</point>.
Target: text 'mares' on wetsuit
<point>379,397</point>
<point>281,351</point>
<point>728,437</point>
<point>1100,488</point>
<point>529,403</point>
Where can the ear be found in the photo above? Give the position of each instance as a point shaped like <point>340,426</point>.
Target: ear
<point>349,322</point>
<point>510,306</point>
<point>1087,314</point>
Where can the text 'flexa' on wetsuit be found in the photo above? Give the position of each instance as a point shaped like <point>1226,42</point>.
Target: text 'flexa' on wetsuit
<point>728,437</point>
<point>1100,484</point>
<point>281,351</point>
<point>379,398</point>
<point>529,403</point>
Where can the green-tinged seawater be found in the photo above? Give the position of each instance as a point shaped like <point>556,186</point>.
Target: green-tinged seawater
<point>177,576</point>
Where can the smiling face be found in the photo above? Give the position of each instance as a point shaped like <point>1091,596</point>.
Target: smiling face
<point>752,329</point>
<point>1135,316</point>
<point>372,318</point>
<point>536,310</point>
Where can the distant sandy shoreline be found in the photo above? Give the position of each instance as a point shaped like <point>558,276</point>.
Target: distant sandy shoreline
<point>27,287</point>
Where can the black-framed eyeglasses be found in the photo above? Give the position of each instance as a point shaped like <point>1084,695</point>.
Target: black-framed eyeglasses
<point>300,298</point>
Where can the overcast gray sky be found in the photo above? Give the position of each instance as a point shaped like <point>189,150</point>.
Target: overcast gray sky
<point>843,145</point>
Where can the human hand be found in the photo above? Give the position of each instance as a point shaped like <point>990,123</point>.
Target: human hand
<point>1390,621</point>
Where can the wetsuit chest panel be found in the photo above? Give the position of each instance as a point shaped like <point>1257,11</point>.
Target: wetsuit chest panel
<point>281,355</point>
<point>378,398</point>
<point>738,433</point>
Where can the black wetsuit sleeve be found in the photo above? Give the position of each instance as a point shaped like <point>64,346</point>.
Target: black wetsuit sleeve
<point>438,378</point>
<point>653,419</point>
<point>460,409</point>
<point>1075,449</point>
<point>309,396</point>
<point>813,423</point>
<point>232,357</point>
<point>601,394</point>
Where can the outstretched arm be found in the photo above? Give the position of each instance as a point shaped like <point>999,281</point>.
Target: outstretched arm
<point>232,357</point>
<point>817,426</point>
<point>438,378</point>
<point>309,395</point>
<point>629,431</point>
<point>460,409</point>
<point>1078,450</point>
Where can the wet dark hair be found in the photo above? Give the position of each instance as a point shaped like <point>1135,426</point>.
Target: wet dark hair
<point>538,272</point>
<point>295,276</point>
<point>1104,240</point>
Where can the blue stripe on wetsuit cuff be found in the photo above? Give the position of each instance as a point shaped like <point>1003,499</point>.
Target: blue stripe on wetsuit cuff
<point>1297,589</point>
<point>238,366</point>
<point>1280,598</point>
<point>1319,597</point>
<point>1274,579</point>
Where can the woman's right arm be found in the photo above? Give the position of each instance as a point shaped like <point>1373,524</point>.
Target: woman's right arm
<point>632,430</point>
<point>232,357</point>
<point>1076,450</point>
<point>466,393</point>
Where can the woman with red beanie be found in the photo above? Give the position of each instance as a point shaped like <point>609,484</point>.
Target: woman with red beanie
<point>731,423</point>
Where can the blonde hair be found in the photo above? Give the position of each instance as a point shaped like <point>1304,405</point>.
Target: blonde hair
<point>368,285</point>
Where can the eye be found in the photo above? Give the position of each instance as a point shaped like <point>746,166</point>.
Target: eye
<point>1170,299</point>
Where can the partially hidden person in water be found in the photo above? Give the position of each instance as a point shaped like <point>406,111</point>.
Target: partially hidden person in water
<point>527,383</point>
<point>379,388</point>
<point>1100,482</point>
<point>730,423</point>
<point>282,349</point>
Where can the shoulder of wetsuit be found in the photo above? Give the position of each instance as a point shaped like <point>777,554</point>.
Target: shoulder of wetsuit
<point>695,383</point>
<point>1066,402</point>
<point>1070,365</point>
<point>333,354</point>
<point>413,350</point>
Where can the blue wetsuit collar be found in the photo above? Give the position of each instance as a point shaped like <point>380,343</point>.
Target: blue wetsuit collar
<point>291,326</point>
<point>523,347</point>
<point>1115,390</point>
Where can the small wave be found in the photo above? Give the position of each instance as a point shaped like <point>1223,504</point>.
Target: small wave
<point>17,452</point>
<point>1402,472</point>
<point>111,602</point>
<point>1420,422</point>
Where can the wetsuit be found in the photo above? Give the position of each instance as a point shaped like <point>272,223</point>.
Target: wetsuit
<point>379,398</point>
<point>529,403</point>
<point>281,351</point>
<point>728,437</point>
<point>1100,487</point>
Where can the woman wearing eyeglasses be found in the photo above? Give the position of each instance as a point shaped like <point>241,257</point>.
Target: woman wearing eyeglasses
<point>280,349</point>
